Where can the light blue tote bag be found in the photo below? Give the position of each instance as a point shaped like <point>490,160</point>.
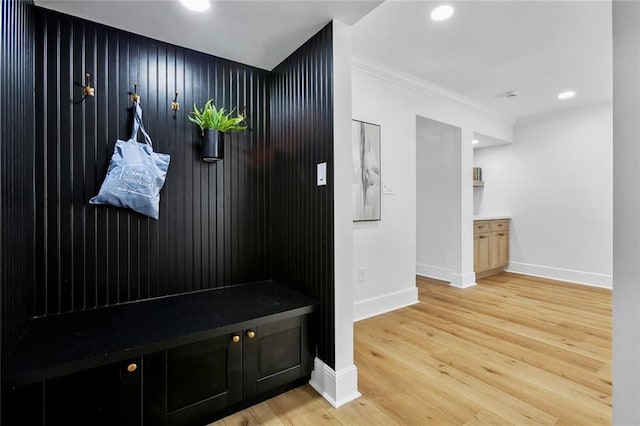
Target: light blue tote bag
<point>136,174</point>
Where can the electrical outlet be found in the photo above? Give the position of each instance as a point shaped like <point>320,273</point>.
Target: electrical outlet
<point>362,274</point>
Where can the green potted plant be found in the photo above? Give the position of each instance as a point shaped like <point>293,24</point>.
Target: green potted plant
<point>214,123</point>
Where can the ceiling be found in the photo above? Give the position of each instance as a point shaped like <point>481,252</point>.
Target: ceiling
<point>259,33</point>
<point>488,48</point>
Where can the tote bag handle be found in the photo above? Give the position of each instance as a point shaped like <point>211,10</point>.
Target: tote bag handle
<point>138,125</point>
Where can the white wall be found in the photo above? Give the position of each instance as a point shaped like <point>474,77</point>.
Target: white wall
<point>391,98</point>
<point>437,197</point>
<point>626,248</point>
<point>556,182</point>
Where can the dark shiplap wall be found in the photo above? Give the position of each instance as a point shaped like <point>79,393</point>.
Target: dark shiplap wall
<point>302,213</point>
<point>16,168</point>
<point>255,215</point>
<point>214,218</point>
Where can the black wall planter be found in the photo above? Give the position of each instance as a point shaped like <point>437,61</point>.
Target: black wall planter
<point>212,146</point>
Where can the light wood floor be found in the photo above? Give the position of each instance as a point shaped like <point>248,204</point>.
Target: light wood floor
<point>513,350</point>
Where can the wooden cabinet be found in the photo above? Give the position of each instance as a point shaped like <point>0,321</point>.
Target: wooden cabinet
<point>490,246</point>
<point>481,252</point>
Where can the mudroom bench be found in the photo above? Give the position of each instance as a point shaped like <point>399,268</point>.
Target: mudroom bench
<point>179,360</point>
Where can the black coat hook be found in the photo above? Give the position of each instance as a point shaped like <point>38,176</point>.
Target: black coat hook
<point>175,105</point>
<point>134,96</point>
<point>87,90</point>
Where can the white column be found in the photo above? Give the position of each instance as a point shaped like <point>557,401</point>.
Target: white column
<point>462,274</point>
<point>626,212</point>
<point>340,385</point>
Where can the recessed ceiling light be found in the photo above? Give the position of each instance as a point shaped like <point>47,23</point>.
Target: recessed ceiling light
<point>441,13</point>
<point>475,141</point>
<point>196,5</point>
<point>567,95</point>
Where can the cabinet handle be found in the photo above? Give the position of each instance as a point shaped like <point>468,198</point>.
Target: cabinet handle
<point>251,334</point>
<point>501,234</point>
<point>132,367</point>
<point>480,226</point>
<point>500,224</point>
<point>483,237</point>
<point>235,338</point>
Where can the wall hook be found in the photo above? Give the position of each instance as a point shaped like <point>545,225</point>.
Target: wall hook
<point>134,96</point>
<point>87,90</point>
<point>175,105</point>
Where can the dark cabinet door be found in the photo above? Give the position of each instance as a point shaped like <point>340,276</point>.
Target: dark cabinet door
<point>188,384</point>
<point>23,405</point>
<point>275,354</point>
<point>104,396</point>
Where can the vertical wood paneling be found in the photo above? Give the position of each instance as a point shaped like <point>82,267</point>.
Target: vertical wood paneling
<point>301,212</point>
<point>84,256</point>
<point>255,215</point>
<point>17,168</point>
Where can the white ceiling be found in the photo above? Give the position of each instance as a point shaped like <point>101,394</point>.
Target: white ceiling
<point>488,48</point>
<point>259,33</point>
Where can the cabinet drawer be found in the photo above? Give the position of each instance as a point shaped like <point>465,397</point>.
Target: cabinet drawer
<point>500,225</point>
<point>481,226</point>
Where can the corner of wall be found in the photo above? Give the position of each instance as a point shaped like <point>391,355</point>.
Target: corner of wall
<point>337,387</point>
<point>341,385</point>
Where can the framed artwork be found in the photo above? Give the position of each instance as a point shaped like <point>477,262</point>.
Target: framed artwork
<point>367,183</point>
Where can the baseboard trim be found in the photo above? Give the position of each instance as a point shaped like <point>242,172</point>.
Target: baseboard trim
<point>386,303</point>
<point>465,280</point>
<point>337,388</point>
<point>455,280</point>
<point>436,272</point>
<point>561,274</point>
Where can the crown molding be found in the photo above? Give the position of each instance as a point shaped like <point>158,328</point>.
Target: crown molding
<point>393,75</point>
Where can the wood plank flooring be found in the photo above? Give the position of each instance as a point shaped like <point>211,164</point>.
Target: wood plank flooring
<point>513,350</point>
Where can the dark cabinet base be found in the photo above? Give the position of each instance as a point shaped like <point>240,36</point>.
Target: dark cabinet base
<point>191,379</point>
<point>206,380</point>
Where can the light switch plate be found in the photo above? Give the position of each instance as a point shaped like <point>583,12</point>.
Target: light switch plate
<point>387,189</point>
<point>322,174</point>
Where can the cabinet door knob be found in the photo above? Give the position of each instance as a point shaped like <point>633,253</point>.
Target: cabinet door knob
<point>132,367</point>
<point>251,334</point>
<point>235,338</point>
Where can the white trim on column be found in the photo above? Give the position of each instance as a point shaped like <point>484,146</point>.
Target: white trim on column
<point>463,280</point>
<point>336,387</point>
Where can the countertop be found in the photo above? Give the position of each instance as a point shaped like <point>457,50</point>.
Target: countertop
<point>503,217</point>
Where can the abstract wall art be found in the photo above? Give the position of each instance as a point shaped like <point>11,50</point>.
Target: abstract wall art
<point>366,171</point>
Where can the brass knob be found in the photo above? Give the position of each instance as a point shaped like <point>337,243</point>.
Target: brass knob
<point>132,367</point>
<point>251,334</point>
<point>235,338</point>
